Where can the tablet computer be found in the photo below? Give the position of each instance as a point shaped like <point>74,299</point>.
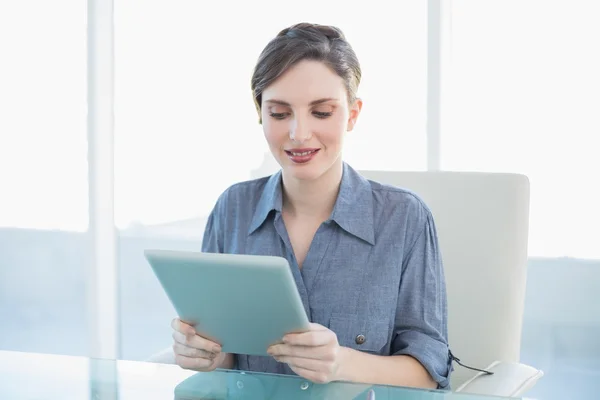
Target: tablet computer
<point>243,302</point>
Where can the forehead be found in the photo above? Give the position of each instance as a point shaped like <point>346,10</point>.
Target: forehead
<point>306,81</point>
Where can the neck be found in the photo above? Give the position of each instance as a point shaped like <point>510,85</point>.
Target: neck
<point>315,198</point>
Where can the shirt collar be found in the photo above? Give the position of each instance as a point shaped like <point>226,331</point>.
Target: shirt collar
<point>353,209</point>
<point>270,199</point>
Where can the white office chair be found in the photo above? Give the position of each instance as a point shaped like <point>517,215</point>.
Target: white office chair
<point>482,221</point>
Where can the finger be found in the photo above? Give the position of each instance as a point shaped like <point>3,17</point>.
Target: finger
<point>182,327</point>
<point>197,342</point>
<point>311,338</point>
<point>187,351</point>
<point>305,363</point>
<point>193,362</point>
<point>326,353</point>
<point>313,327</point>
<point>313,376</point>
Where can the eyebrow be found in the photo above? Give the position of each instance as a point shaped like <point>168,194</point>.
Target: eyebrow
<point>312,103</point>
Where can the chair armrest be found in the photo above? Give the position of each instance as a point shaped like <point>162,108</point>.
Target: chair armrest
<point>165,356</point>
<point>509,380</point>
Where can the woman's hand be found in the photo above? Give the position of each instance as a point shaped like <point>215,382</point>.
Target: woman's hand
<point>193,351</point>
<point>314,355</point>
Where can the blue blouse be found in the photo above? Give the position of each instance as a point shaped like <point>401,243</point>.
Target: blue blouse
<point>373,273</point>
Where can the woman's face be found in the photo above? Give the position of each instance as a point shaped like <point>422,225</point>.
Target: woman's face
<point>306,115</point>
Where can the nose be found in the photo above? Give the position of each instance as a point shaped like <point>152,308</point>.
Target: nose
<point>299,130</point>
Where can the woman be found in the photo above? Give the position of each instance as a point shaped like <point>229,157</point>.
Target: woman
<point>364,255</point>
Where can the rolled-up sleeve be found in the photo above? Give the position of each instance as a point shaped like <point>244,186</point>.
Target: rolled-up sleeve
<point>421,329</point>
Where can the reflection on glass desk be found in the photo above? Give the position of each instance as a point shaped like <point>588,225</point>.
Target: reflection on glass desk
<point>52,377</point>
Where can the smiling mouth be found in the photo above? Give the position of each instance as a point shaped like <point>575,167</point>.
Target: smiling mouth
<point>301,156</point>
<point>301,153</point>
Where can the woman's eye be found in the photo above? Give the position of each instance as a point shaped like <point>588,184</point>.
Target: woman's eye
<point>321,114</point>
<point>278,115</point>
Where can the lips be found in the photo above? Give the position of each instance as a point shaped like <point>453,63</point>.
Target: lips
<point>301,152</point>
<point>301,156</point>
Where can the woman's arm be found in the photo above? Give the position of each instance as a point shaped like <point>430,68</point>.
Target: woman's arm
<point>421,323</point>
<point>356,366</point>
<point>316,355</point>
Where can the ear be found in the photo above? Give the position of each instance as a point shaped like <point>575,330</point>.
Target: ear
<point>353,114</point>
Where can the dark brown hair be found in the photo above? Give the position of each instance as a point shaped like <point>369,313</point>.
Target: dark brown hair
<point>306,41</point>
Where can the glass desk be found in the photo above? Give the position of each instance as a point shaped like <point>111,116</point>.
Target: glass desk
<point>35,376</point>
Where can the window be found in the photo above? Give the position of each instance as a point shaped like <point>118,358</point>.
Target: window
<point>43,173</point>
<point>520,94</point>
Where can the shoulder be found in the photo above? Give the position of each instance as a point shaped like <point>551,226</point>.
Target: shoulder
<point>403,201</point>
<point>403,215</point>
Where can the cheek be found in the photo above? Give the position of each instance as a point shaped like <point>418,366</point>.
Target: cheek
<point>333,130</point>
<point>273,133</point>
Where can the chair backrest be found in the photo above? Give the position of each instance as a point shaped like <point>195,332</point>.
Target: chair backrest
<point>482,221</point>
